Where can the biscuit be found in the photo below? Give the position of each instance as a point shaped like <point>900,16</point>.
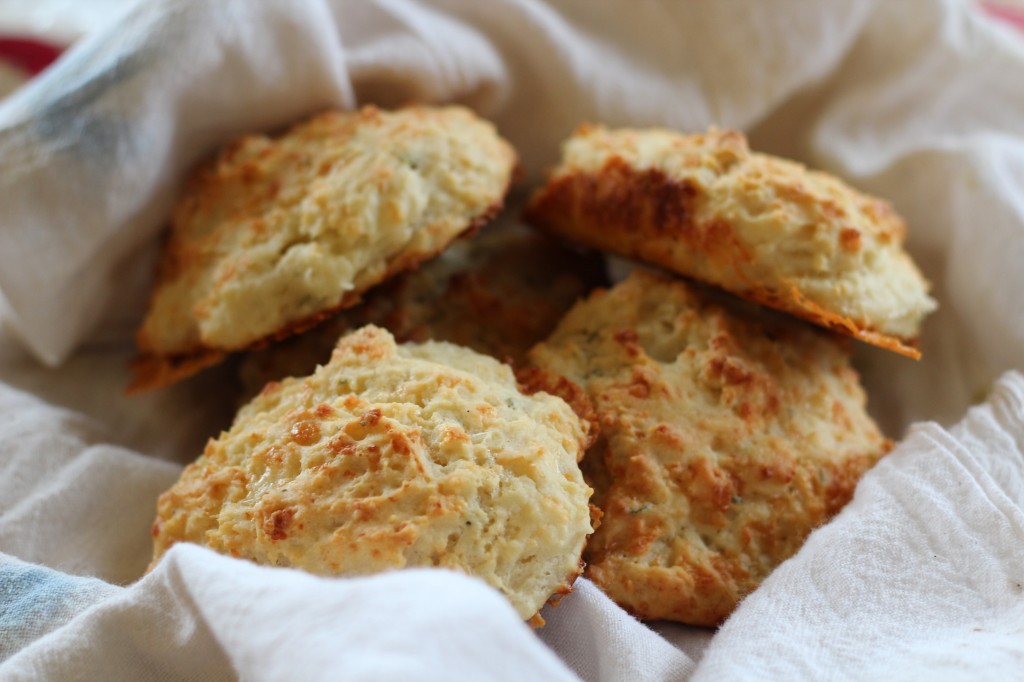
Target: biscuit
<point>763,228</point>
<point>498,294</point>
<point>274,234</point>
<point>395,456</point>
<point>727,433</point>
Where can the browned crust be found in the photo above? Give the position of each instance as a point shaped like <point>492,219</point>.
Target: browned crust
<point>650,217</point>
<point>537,621</point>
<point>532,380</point>
<point>705,595</point>
<point>152,371</point>
<point>797,304</point>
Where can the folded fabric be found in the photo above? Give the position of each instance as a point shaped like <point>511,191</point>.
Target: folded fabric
<point>67,499</point>
<point>37,600</point>
<point>920,574</point>
<point>203,616</point>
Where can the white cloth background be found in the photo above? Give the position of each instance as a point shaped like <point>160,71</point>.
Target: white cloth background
<point>920,102</point>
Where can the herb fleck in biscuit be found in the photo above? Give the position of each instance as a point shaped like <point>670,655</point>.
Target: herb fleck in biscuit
<point>392,456</point>
<point>727,435</point>
<point>276,233</point>
<point>760,227</point>
<point>498,293</point>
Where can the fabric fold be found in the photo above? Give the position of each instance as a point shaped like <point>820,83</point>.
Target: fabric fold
<point>70,501</point>
<point>199,615</point>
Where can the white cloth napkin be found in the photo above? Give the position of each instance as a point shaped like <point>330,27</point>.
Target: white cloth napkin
<point>919,102</point>
<point>920,577</point>
<point>205,617</point>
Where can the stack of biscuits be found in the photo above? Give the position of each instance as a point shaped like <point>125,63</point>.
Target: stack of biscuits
<point>426,391</point>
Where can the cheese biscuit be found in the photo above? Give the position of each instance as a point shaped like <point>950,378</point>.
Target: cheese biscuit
<point>763,228</point>
<point>498,293</point>
<point>389,456</point>
<point>276,233</point>
<point>727,433</point>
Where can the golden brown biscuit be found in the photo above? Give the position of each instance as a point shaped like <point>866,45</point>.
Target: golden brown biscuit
<point>760,227</point>
<point>393,456</point>
<point>727,434</point>
<point>498,294</point>
<point>276,233</point>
